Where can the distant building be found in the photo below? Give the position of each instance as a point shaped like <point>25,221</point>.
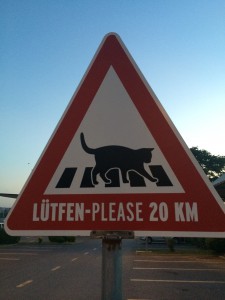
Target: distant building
<point>3,213</point>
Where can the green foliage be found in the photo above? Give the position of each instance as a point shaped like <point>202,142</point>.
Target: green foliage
<point>8,239</point>
<point>56,239</point>
<point>62,239</point>
<point>170,244</point>
<point>70,239</point>
<point>199,242</point>
<point>217,245</point>
<point>213,165</point>
<point>40,240</point>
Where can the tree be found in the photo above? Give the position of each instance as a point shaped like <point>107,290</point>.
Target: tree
<point>213,165</point>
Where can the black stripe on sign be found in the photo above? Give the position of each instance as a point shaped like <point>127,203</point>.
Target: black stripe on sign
<point>136,180</point>
<point>159,172</point>
<point>66,179</point>
<point>86,180</point>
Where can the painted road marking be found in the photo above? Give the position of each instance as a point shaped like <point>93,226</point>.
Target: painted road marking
<point>7,258</point>
<point>179,269</point>
<point>36,248</point>
<point>17,253</point>
<point>178,281</point>
<point>94,249</point>
<point>24,283</point>
<point>86,253</point>
<point>75,258</point>
<point>178,261</point>
<point>56,268</point>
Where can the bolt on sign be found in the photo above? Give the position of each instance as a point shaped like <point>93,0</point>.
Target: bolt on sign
<point>116,162</point>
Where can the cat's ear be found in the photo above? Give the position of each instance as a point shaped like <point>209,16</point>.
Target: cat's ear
<point>151,149</point>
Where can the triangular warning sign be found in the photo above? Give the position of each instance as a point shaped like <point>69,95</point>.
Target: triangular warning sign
<point>116,162</point>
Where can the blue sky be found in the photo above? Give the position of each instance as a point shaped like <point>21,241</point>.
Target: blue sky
<point>47,45</point>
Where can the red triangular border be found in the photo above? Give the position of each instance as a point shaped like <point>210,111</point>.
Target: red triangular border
<point>211,213</point>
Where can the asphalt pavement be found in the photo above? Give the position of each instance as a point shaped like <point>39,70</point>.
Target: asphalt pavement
<point>73,271</point>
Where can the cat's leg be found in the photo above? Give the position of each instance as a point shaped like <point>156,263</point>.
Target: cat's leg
<point>94,174</point>
<point>144,173</point>
<point>103,176</point>
<point>124,174</point>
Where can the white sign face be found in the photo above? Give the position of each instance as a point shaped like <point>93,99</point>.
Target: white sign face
<point>104,125</point>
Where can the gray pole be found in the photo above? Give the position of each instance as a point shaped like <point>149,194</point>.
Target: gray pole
<point>112,268</point>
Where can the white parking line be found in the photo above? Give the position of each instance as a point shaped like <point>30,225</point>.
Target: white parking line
<point>24,283</point>
<point>56,268</point>
<point>7,258</point>
<point>165,261</point>
<point>36,249</point>
<point>179,269</point>
<point>18,253</point>
<point>178,281</point>
<point>86,253</point>
<point>178,261</point>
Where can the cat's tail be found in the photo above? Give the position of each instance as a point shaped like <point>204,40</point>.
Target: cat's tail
<point>85,146</point>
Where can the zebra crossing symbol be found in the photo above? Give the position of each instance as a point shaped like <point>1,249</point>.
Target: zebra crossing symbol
<point>110,160</point>
<point>116,162</point>
<point>135,179</point>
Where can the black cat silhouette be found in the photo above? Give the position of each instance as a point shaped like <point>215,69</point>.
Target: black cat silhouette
<point>118,157</point>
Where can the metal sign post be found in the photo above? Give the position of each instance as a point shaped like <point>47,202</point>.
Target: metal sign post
<point>112,268</point>
<point>112,262</point>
